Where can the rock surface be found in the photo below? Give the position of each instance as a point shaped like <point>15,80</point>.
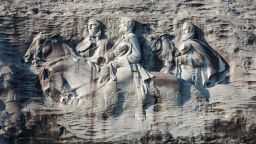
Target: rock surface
<point>229,116</point>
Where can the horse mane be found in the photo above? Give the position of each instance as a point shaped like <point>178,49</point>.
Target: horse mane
<point>48,46</point>
<point>43,44</point>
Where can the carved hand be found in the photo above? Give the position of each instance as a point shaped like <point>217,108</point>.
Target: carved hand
<point>121,49</point>
<point>182,59</point>
<point>104,73</point>
<point>116,64</point>
<point>177,54</point>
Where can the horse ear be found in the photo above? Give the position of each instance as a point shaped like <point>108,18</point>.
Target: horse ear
<point>32,48</point>
<point>38,35</point>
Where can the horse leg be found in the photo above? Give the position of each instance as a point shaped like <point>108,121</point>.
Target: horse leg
<point>168,87</point>
<point>57,81</point>
<point>110,98</point>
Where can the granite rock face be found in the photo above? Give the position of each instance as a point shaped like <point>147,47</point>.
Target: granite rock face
<point>29,115</point>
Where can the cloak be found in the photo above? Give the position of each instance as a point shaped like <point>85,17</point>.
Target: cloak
<point>132,56</point>
<point>216,69</point>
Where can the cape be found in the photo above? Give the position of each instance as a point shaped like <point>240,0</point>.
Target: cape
<point>217,69</point>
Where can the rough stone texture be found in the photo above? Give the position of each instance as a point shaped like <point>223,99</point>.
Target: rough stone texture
<point>229,27</point>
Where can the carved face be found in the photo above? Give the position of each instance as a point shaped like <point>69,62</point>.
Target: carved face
<point>187,31</point>
<point>93,28</point>
<point>126,25</point>
<point>123,27</point>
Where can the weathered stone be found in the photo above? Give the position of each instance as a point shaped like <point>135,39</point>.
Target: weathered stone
<point>32,114</point>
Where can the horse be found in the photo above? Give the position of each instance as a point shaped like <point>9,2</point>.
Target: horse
<point>70,79</point>
<point>59,70</point>
<point>165,85</point>
<point>45,48</point>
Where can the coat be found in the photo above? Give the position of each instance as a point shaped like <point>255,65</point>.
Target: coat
<point>130,55</point>
<point>215,69</point>
<point>95,50</point>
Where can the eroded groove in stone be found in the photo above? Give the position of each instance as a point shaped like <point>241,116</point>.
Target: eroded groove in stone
<point>170,71</point>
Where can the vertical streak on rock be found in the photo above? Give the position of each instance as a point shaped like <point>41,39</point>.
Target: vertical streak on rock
<point>93,85</point>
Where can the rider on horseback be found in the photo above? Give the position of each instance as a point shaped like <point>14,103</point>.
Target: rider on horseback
<point>95,46</point>
<point>126,52</point>
<point>123,66</point>
<point>92,49</point>
<point>51,56</point>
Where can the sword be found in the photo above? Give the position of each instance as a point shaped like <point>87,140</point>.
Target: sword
<point>112,75</point>
<point>178,69</point>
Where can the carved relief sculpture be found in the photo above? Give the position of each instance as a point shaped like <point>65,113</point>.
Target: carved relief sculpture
<point>197,63</point>
<point>194,53</point>
<point>62,87</point>
<point>118,71</point>
<point>95,45</point>
<point>133,78</point>
<point>123,65</point>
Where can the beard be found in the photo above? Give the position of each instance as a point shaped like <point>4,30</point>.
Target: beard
<point>94,33</point>
<point>185,37</point>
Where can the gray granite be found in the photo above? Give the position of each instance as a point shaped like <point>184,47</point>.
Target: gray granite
<point>113,111</point>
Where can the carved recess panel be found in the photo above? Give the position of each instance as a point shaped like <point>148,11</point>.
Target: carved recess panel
<point>120,71</point>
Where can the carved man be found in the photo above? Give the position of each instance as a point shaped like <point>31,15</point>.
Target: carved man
<point>92,49</point>
<point>124,60</point>
<point>126,53</point>
<point>197,62</point>
<point>95,45</point>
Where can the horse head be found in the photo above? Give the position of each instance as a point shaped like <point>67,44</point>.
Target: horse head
<point>45,46</point>
<point>157,50</point>
<point>36,42</point>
